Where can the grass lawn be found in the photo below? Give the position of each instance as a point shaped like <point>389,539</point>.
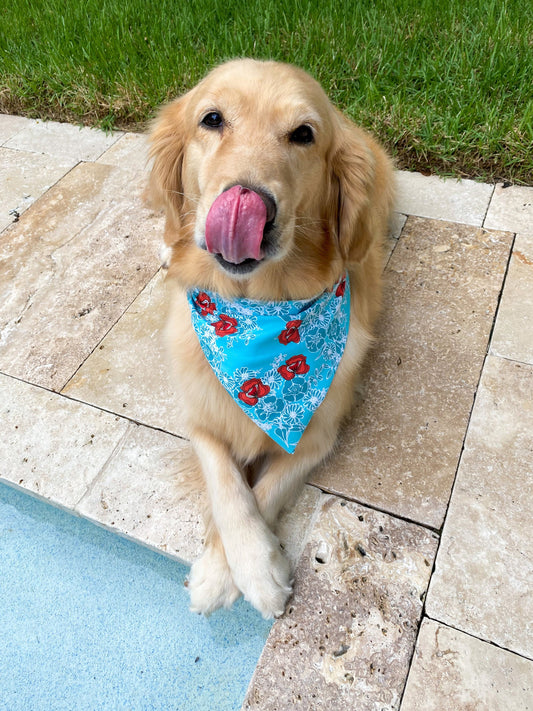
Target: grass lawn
<point>447,85</point>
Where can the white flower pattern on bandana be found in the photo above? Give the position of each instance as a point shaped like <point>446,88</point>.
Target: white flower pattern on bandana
<point>276,359</point>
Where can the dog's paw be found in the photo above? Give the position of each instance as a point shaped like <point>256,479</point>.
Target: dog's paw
<point>210,583</point>
<point>264,576</point>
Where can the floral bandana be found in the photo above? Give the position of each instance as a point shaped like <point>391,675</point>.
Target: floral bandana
<point>275,358</point>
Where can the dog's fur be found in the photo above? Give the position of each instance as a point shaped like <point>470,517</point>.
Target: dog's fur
<point>333,198</point>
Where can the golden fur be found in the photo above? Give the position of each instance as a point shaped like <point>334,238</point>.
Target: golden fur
<point>333,199</point>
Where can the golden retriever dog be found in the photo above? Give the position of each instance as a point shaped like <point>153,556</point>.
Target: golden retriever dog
<point>271,196</point>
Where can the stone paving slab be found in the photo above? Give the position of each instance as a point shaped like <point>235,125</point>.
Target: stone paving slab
<point>136,495</point>
<point>347,637</point>
<point>24,178</point>
<point>128,373</point>
<point>513,207</point>
<point>78,143</point>
<point>513,332</point>
<point>452,670</point>
<point>130,152</point>
<point>483,577</point>
<point>400,449</point>
<point>11,125</point>
<point>69,269</point>
<point>463,201</point>
<point>51,446</point>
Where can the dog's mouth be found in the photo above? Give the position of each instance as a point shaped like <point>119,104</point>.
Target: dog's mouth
<point>240,228</point>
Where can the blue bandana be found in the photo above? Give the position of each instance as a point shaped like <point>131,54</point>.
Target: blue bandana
<point>275,358</point>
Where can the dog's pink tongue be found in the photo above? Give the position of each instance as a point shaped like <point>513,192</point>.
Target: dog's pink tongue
<point>234,225</point>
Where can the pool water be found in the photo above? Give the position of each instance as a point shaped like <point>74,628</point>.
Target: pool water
<point>90,620</point>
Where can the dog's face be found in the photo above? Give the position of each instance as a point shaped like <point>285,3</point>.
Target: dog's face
<point>269,133</point>
<point>252,167</point>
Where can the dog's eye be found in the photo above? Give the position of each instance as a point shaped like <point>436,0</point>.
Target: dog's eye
<point>302,135</point>
<point>213,120</point>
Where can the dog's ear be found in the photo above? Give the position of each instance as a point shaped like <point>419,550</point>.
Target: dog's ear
<point>167,145</point>
<point>351,176</point>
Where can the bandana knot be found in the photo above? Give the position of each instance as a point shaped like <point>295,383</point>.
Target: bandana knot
<point>276,359</point>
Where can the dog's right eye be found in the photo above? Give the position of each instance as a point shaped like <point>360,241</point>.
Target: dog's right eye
<point>212,120</point>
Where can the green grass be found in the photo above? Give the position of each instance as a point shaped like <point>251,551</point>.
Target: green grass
<point>447,85</point>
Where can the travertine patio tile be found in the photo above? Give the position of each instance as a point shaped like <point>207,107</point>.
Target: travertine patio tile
<point>400,449</point>
<point>397,224</point>
<point>452,670</point>
<point>140,494</point>
<point>24,177</point>
<point>130,152</point>
<point>11,125</point>
<point>63,140</point>
<point>463,201</point>
<point>50,445</point>
<point>511,209</point>
<point>69,269</point>
<point>513,333</point>
<point>137,494</point>
<point>482,581</point>
<point>294,524</point>
<point>349,632</point>
<point>128,373</point>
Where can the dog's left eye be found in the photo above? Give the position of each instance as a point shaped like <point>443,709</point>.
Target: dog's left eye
<point>302,135</point>
<point>213,119</point>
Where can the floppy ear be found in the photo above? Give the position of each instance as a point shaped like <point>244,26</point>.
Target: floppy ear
<point>167,139</point>
<point>351,177</point>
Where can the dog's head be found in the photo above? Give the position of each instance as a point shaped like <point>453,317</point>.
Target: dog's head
<point>256,168</point>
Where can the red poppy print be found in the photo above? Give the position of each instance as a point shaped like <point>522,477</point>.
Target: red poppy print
<point>290,334</point>
<point>252,390</point>
<point>341,288</point>
<point>294,366</point>
<point>226,326</point>
<point>207,306</point>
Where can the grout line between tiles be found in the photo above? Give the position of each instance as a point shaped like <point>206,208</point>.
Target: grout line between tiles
<point>488,206</point>
<point>525,363</point>
<point>374,507</point>
<point>500,296</point>
<point>480,639</point>
<point>128,306</point>
<point>70,398</point>
<point>482,370</point>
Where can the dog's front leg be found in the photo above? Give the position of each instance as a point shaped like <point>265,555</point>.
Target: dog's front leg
<point>253,554</point>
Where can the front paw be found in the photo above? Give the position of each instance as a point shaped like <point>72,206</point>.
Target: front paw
<point>210,583</point>
<point>263,574</point>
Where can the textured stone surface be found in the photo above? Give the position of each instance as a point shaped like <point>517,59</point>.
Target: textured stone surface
<point>52,446</point>
<point>128,373</point>
<point>513,333</point>
<point>11,125</point>
<point>62,140</point>
<point>400,449</point>
<point>483,578</point>
<point>24,177</point>
<point>137,494</point>
<point>140,494</point>
<point>512,207</point>
<point>295,523</point>
<point>130,152</point>
<point>69,269</point>
<point>348,634</point>
<point>463,201</point>
<point>453,671</point>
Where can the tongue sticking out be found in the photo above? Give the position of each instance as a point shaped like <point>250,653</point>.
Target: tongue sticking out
<point>234,225</point>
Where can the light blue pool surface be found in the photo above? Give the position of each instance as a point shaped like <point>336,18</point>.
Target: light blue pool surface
<point>91,621</point>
